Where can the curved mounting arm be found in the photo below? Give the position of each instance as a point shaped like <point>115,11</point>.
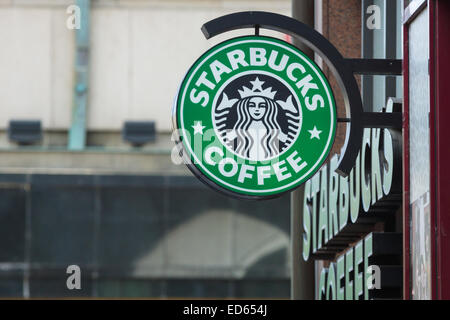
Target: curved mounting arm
<point>340,67</point>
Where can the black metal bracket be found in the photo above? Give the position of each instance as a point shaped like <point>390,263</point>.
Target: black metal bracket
<point>376,66</point>
<point>343,69</point>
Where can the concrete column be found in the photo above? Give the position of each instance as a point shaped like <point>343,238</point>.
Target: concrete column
<point>302,272</point>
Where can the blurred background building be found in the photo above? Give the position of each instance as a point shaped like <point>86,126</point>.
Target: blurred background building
<point>86,176</point>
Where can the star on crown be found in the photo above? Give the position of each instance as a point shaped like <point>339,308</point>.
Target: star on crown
<point>257,90</point>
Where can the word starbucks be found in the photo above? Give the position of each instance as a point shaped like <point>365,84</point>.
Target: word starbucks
<point>238,59</point>
<point>254,117</point>
<point>331,201</point>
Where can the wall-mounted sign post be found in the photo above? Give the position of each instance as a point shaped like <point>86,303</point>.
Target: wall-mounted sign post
<point>255,117</point>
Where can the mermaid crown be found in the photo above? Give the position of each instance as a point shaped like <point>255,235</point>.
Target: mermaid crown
<point>257,90</point>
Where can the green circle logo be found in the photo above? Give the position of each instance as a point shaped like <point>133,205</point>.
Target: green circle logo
<point>254,117</point>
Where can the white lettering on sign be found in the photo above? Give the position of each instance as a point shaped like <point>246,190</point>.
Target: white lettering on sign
<point>330,200</point>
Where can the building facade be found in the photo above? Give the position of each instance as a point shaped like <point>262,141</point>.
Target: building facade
<point>380,232</point>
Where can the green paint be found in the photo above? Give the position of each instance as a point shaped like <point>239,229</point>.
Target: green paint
<point>256,116</point>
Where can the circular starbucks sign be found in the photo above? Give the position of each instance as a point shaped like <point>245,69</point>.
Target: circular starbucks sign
<point>254,117</point>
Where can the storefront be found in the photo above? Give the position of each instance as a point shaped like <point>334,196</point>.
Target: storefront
<point>426,27</point>
<point>382,232</point>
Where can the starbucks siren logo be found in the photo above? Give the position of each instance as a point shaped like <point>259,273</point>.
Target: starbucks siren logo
<point>255,117</point>
<point>249,124</point>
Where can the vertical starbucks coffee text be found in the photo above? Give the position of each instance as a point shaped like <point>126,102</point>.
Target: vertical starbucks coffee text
<point>257,57</point>
<point>331,202</point>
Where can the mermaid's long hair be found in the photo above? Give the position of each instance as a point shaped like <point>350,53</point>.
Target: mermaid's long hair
<point>269,141</point>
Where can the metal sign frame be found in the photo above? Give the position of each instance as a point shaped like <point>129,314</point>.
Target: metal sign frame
<point>342,68</point>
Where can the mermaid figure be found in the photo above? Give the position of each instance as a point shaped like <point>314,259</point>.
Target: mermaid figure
<point>256,135</point>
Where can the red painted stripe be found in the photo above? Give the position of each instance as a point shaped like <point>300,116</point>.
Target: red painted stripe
<point>442,127</point>
<point>431,119</point>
